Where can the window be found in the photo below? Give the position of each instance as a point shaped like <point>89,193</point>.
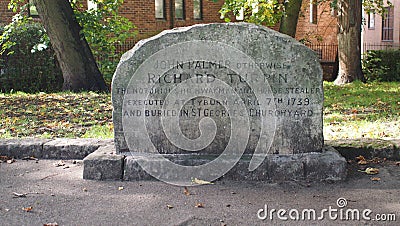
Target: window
<point>91,5</point>
<point>387,25</point>
<point>371,20</point>
<point>179,9</point>
<point>197,9</point>
<point>313,11</point>
<point>32,9</point>
<point>160,9</point>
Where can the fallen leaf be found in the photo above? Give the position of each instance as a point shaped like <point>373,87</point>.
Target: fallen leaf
<point>51,224</point>
<point>360,158</point>
<point>199,205</point>
<point>202,182</point>
<point>27,209</point>
<point>84,189</point>
<point>59,163</point>
<point>370,171</point>
<point>120,188</point>
<point>30,158</point>
<point>19,195</point>
<point>375,178</point>
<point>377,160</point>
<point>4,158</point>
<point>362,162</point>
<point>169,206</point>
<point>11,161</point>
<point>186,191</point>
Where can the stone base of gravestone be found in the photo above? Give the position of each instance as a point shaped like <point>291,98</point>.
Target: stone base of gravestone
<point>327,165</point>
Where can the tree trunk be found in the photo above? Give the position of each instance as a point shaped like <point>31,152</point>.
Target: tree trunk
<point>288,23</point>
<point>349,41</point>
<point>73,53</point>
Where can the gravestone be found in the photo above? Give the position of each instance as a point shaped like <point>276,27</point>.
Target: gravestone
<point>233,99</point>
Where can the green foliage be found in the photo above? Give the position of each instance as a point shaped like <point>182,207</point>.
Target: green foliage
<point>26,56</point>
<point>104,29</point>
<point>361,110</point>
<point>269,12</point>
<point>382,65</point>
<point>265,12</point>
<point>376,6</point>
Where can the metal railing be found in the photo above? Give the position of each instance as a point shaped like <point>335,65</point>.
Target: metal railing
<point>326,52</point>
<point>380,46</point>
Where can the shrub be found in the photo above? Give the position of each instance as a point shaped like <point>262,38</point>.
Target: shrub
<point>103,28</point>
<point>382,65</point>
<point>27,61</point>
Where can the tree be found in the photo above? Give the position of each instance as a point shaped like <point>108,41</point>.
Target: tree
<point>349,41</point>
<point>349,28</point>
<point>349,36</point>
<point>104,29</point>
<point>76,60</point>
<point>288,24</point>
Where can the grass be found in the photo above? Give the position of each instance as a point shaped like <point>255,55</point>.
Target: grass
<point>55,115</point>
<point>352,111</point>
<point>359,110</point>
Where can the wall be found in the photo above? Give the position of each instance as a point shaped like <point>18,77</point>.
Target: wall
<point>5,14</point>
<point>324,31</point>
<point>372,37</point>
<point>142,13</point>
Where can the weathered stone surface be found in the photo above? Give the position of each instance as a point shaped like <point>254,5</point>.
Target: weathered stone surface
<point>271,73</point>
<point>60,148</point>
<point>217,96</point>
<point>327,165</point>
<point>103,164</point>
<point>369,148</point>
<point>19,148</point>
<point>71,148</point>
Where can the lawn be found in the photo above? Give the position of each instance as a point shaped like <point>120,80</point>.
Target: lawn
<point>55,115</point>
<point>355,110</point>
<point>361,110</point>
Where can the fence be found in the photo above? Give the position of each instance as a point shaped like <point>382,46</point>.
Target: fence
<point>326,52</point>
<point>127,45</point>
<point>120,49</point>
<point>379,46</point>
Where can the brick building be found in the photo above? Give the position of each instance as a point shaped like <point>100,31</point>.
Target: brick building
<point>316,26</point>
<point>382,32</point>
<point>316,21</point>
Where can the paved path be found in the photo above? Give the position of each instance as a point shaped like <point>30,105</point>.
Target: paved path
<point>59,194</point>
